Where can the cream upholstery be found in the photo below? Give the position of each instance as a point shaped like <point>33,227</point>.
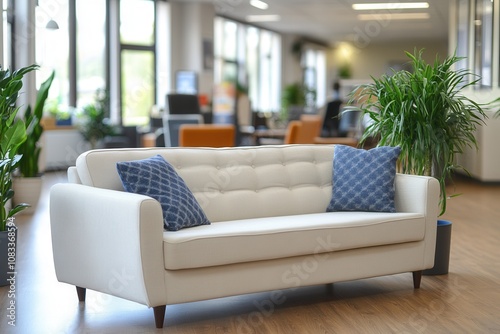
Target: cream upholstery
<point>348,230</point>
<point>267,207</point>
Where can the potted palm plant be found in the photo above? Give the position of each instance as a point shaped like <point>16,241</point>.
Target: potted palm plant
<point>28,186</point>
<point>12,135</point>
<point>425,113</point>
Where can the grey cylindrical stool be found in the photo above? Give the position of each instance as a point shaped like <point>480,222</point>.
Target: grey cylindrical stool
<point>443,243</point>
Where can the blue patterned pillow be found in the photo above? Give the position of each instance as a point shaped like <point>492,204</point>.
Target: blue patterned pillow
<point>156,178</point>
<point>363,180</point>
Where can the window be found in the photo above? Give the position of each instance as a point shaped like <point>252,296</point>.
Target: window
<point>462,49</point>
<point>137,86</point>
<point>7,33</point>
<point>137,55</point>
<point>314,66</point>
<point>484,41</point>
<point>90,34</point>
<point>250,57</point>
<point>52,49</point>
<point>268,88</point>
<point>90,52</point>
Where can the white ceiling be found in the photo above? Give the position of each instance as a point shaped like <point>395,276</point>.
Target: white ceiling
<point>333,21</point>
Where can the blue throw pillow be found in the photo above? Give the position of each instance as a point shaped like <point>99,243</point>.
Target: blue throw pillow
<point>156,178</point>
<point>363,180</point>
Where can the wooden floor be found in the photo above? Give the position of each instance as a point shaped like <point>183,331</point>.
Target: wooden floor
<point>467,300</point>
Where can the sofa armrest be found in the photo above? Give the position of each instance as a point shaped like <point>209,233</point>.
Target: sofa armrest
<point>109,241</point>
<point>420,194</point>
<point>416,193</point>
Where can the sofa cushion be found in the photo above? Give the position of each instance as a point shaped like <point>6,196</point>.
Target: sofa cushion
<point>233,183</point>
<point>363,180</point>
<point>269,238</point>
<point>156,178</point>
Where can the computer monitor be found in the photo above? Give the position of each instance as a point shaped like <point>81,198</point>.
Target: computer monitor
<point>186,82</point>
<point>350,122</point>
<point>182,104</point>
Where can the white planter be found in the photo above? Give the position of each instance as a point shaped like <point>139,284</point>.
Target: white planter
<point>27,190</point>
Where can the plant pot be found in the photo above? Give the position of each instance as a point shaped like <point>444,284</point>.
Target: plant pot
<point>442,255</point>
<point>27,190</point>
<point>8,255</point>
<point>63,122</point>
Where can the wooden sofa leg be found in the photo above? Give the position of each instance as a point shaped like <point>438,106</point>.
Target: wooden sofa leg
<point>417,277</point>
<point>159,312</point>
<point>81,293</point>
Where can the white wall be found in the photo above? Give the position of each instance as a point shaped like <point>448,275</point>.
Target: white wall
<point>291,72</point>
<point>484,163</point>
<point>375,60</point>
<point>191,23</point>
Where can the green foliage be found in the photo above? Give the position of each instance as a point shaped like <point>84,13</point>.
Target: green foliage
<point>293,95</point>
<point>345,71</point>
<point>95,125</point>
<point>53,108</point>
<point>12,135</point>
<point>30,149</point>
<point>296,95</point>
<point>424,113</point>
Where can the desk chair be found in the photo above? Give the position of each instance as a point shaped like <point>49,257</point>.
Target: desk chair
<point>292,132</point>
<point>207,135</point>
<point>304,131</point>
<point>310,128</point>
<point>172,123</point>
<point>152,134</point>
<point>330,126</point>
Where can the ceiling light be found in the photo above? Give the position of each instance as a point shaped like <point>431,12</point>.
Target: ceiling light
<point>259,4</point>
<point>52,25</point>
<point>390,5</point>
<point>263,18</point>
<point>393,16</point>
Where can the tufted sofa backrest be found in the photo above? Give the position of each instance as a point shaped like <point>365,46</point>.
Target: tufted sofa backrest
<point>233,183</point>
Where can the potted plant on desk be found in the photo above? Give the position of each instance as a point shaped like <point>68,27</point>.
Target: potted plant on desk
<point>28,186</point>
<point>425,113</point>
<point>12,135</point>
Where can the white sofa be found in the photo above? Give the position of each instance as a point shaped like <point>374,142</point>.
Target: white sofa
<point>269,227</point>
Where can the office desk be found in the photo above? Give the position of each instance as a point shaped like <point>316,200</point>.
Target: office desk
<point>276,136</point>
<point>349,141</point>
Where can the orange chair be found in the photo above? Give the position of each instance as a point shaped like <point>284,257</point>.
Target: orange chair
<point>207,135</point>
<point>310,128</point>
<point>303,131</point>
<point>292,132</point>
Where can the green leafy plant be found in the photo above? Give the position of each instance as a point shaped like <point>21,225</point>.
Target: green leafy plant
<point>94,124</point>
<point>30,149</point>
<point>345,71</point>
<point>293,94</point>
<point>12,135</point>
<point>425,113</point>
<point>56,111</point>
<point>296,95</point>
